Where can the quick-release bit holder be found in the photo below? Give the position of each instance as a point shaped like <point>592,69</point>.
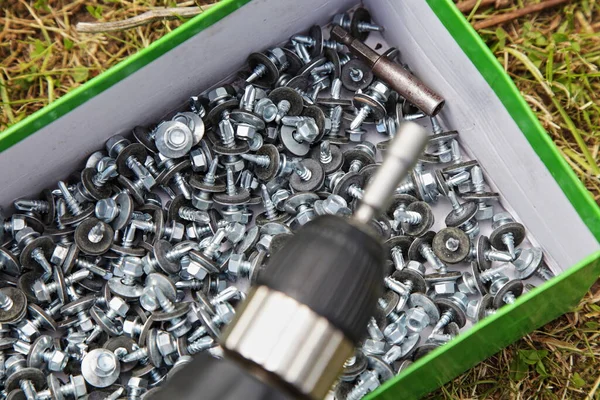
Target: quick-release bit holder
<point>399,79</point>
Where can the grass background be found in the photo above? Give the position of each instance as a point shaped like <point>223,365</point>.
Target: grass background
<point>553,57</point>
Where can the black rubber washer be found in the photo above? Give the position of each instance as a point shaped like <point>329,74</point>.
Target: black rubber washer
<point>294,62</point>
<point>44,243</point>
<point>419,283</point>
<point>34,375</point>
<point>242,196</point>
<point>142,135</point>
<point>174,206</point>
<point>349,179</point>
<point>447,256</point>
<point>316,180</point>
<point>476,272</point>
<point>216,113</point>
<point>167,174</point>
<point>413,251</point>
<point>96,192</point>
<point>75,219</point>
<point>423,350</point>
<point>363,83</point>
<point>19,306</point>
<point>86,245</point>
<point>486,302</point>
<point>48,197</point>
<point>337,159</point>
<point>427,219</point>
<point>25,283</point>
<point>272,73</point>
<point>482,246</point>
<point>403,242</point>
<point>360,15</point>
<point>339,277</point>
<point>516,228</point>
<point>334,58</point>
<point>455,219</point>
<point>399,200</point>
<point>289,94</point>
<point>268,173</point>
<point>515,287</point>
<point>125,342</point>
<point>317,34</point>
<point>135,150</point>
<point>353,154</point>
<point>445,304</point>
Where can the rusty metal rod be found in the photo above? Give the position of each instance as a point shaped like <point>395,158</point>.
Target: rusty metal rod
<point>399,79</point>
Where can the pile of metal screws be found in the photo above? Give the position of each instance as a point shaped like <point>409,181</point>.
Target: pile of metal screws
<point>115,279</point>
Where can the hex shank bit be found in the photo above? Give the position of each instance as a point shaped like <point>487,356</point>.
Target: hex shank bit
<point>399,79</point>
<point>400,157</point>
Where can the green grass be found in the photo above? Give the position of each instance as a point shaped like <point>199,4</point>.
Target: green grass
<point>552,56</point>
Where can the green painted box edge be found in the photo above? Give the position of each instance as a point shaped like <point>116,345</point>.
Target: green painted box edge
<point>554,298</point>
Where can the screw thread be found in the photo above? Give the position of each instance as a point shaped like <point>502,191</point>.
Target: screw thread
<point>260,160</point>
<point>100,178</point>
<point>369,27</point>
<point>6,302</point>
<point>165,304</point>
<point>410,217</point>
<point>215,243</point>
<point>303,172</point>
<point>283,107</point>
<point>458,179</point>
<point>96,234</point>
<point>356,192</point>
<point>249,98</point>
<point>456,206</point>
<point>500,256</point>
<point>270,210</point>
<point>191,214</point>
<point>38,255</point>
<point>40,206</point>
<point>427,252</point>
<point>363,113</point>
<point>435,125</point>
<point>257,72</point>
<point>490,274</point>
<point>304,39</point>
<point>136,355</point>
<point>355,165</point>
<point>398,258</point>
<point>477,179</point>
<point>325,155</point>
<point>231,189</point>
<point>227,132</point>
<point>178,251</point>
<point>182,185</point>
<point>151,167</point>
<point>332,44</point>
<point>444,320</point>
<point>356,74</point>
<point>509,298</point>
<point>405,187</point>
<point>509,241</point>
<point>394,353</point>
<point>192,284</point>
<point>28,389</point>
<point>544,273</point>
<point>72,203</point>
<point>363,387</point>
<point>201,344</point>
<point>336,88</point>
<point>394,285</point>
